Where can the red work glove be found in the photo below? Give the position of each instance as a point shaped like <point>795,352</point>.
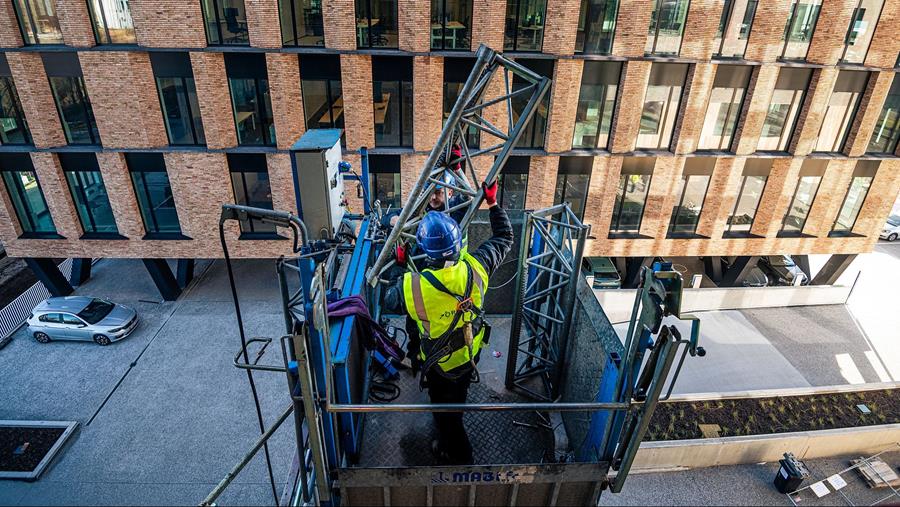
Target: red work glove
<point>490,193</point>
<point>455,153</point>
<point>400,254</point>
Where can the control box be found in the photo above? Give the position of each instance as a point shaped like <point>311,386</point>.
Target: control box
<point>318,184</point>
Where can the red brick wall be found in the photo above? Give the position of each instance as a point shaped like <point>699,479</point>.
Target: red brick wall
<point>10,35</point>
<point>632,27</point>
<point>263,23</point>
<point>695,101</point>
<point>629,105</point>
<point>111,76</point>
<point>765,43</point>
<point>756,105</point>
<point>168,23</point>
<point>541,182</point>
<point>559,36</point>
<point>75,22</point>
<point>414,25</point>
<point>810,120</point>
<point>563,104</point>
<point>339,17</point>
<point>37,99</point>
<point>214,97</point>
<point>885,43</point>
<point>828,40</point>
<point>359,113</point>
<point>428,100</point>
<point>287,100</point>
<point>870,107</point>
<point>488,23</point>
<point>700,29</point>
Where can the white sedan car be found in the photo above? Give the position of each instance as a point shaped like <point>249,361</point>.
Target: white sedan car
<point>891,229</point>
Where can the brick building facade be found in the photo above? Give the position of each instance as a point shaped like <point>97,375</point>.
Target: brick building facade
<point>134,107</point>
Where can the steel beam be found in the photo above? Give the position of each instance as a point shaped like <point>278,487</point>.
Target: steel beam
<point>738,271</point>
<point>49,274</point>
<point>81,271</point>
<point>185,272</point>
<point>712,264</point>
<point>833,269</point>
<point>163,278</point>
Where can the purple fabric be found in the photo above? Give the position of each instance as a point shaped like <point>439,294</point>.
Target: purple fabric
<point>373,336</point>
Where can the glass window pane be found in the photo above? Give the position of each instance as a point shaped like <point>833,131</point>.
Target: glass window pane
<point>798,212</point>
<point>451,94</point>
<point>513,188</point>
<point>596,27</point>
<point>451,24</point>
<point>596,102</point>
<point>666,26</point>
<point>252,111</point>
<point>301,22</point>
<point>181,111</point>
<point>38,21</point>
<point>862,27</point>
<point>112,21</point>
<point>842,105</point>
<point>734,28</point>
<point>572,188</point>
<point>253,189</point>
<point>856,196</point>
<point>887,129</point>
<point>393,113</point>
<point>376,23</point>
<point>387,189</point>
<point>661,104</point>
<point>535,130</point>
<point>74,109</point>
<point>800,27</point>
<point>92,202</point>
<point>524,25</point>
<point>725,101</point>
<point>28,200</point>
<point>226,22</point>
<point>13,128</point>
<point>154,195</point>
<point>631,195</point>
<point>741,220</point>
<point>686,213</point>
<point>787,100</point>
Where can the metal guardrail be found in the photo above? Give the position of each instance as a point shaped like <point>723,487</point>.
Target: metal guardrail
<point>13,315</point>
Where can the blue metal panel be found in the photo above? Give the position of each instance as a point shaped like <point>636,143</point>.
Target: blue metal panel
<point>317,139</point>
<point>591,449</point>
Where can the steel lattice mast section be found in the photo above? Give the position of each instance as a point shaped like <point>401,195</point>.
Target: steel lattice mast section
<point>467,112</point>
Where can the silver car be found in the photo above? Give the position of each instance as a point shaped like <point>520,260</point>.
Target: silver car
<point>81,318</point>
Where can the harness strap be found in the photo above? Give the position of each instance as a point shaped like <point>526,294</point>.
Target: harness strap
<point>419,302</point>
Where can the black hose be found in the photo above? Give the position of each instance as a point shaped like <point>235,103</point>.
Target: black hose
<point>237,310</point>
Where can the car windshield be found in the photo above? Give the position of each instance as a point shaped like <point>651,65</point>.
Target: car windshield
<point>894,220</point>
<point>95,311</point>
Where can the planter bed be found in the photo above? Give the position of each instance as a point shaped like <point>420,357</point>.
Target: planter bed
<point>774,414</point>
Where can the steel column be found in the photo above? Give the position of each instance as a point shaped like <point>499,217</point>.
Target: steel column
<point>81,271</point>
<point>163,278</point>
<point>48,273</point>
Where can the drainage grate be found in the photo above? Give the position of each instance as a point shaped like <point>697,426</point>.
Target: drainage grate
<point>27,447</point>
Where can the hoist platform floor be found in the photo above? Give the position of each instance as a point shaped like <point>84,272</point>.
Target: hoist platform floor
<point>404,439</point>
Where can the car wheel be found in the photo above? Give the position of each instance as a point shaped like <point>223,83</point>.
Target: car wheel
<point>42,337</point>
<point>102,339</point>
<point>892,237</point>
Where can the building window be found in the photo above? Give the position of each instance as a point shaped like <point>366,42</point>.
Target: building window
<point>178,98</point>
<point>392,92</point>
<point>154,195</point>
<point>112,21</point>
<point>572,183</point>
<point>692,192</point>
<point>725,103</point>
<point>804,195</point>
<point>848,90</point>
<point>666,27</point>
<point>451,24</point>
<point>524,25</point>
<point>596,27</point>
<point>456,72</point>
<point>38,22</point>
<point>631,196</point>
<point>376,24</point>
<point>250,181</point>
<point>734,28</point>
<point>90,195</point>
<point>323,101</point>
<point>250,99</point>
<point>384,180</point>
<point>863,175</point>
<point>13,127</point>
<point>596,103</point>
<point>513,184</point>
<point>535,130</point>
<point>862,27</point>
<point>887,129</point>
<point>787,99</point>
<point>753,183</point>
<point>301,23</point>
<point>226,22</point>
<point>799,29</point>
<point>72,101</point>
<point>27,198</point>
<point>661,105</point>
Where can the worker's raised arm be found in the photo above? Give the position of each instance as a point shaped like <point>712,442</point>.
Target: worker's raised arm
<point>491,253</point>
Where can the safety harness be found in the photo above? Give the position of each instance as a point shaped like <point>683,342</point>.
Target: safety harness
<point>453,339</point>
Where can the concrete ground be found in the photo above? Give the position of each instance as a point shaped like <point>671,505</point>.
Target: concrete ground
<point>163,414</point>
<point>747,485</point>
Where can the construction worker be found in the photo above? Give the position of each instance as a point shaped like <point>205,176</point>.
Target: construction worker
<point>445,300</point>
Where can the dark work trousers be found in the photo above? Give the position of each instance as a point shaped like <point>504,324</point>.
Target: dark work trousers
<point>452,438</point>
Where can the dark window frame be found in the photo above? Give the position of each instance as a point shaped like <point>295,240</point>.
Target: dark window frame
<point>861,173</point>
<point>244,68</point>
<point>729,233</point>
<point>600,115</point>
<point>109,42</point>
<point>20,22</point>
<point>782,232</point>
<point>728,18</point>
<point>612,39</point>
<point>679,208</point>
<point>82,163</point>
<point>369,32</point>
<point>139,164</point>
<point>218,20</point>
<point>30,231</point>
<point>850,31</point>
<point>574,166</point>
<point>655,36</point>
<point>893,137</point>
<point>615,225</point>
<point>444,46</point>
<point>8,85</point>
<point>516,165</point>
<point>515,39</point>
<point>68,66</point>
<point>787,29</point>
<point>395,70</point>
<point>804,96</point>
<point>256,163</point>
<point>294,28</point>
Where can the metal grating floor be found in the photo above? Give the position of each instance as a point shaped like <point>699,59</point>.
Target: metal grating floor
<point>404,439</point>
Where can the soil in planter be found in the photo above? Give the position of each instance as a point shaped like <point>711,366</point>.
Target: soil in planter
<point>680,420</point>
<point>13,438</point>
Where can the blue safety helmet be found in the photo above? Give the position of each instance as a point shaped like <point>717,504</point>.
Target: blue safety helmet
<point>439,237</point>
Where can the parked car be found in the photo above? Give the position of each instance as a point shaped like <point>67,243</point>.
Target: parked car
<point>81,318</point>
<point>891,229</point>
<point>605,274</point>
<point>781,270</point>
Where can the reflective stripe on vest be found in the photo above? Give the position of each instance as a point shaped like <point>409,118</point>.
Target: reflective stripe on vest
<point>433,310</point>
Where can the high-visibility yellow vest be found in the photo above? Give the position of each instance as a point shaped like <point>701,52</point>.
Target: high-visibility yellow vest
<point>433,310</point>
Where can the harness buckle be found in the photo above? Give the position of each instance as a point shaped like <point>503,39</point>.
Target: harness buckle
<point>465,305</point>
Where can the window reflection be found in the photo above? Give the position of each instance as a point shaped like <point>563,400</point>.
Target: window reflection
<point>631,195</point>
<point>513,184</point>
<point>226,22</point>
<point>842,106</point>
<point>691,193</point>
<point>535,130</point>
<point>596,103</point>
<point>384,180</point>
<point>250,98</point>
<point>799,29</point>
<point>887,128</point>
<point>524,25</point>
<point>572,183</point>
<point>856,196</point>
<point>667,26</point>
<point>154,195</point>
<point>89,194</point>
<point>734,28</point>
<point>862,27</point>
<point>596,27</point>
<point>28,201</point>
<point>112,21</point>
<point>804,196</point>
<point>250,181</point>
<point>301,22</point>
<point>451,24</point>
<point>392,93</point>
<point>376,23</point>
<point>725,102</point>
<point>753,183</point>
<point>13,128</point>
<point>38,21</point>
<point>661,104</point>
<point>75,109</point>
<point>787,99</point>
